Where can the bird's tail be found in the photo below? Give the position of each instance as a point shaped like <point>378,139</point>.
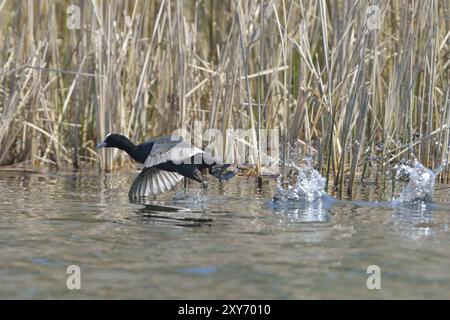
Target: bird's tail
<point>223,171</point>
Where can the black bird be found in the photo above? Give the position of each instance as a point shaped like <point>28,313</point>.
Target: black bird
<point>166,161</point>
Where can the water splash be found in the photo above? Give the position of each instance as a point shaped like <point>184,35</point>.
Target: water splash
<point>420,187</point>
<point>189,196</point>
<point>309,185</point>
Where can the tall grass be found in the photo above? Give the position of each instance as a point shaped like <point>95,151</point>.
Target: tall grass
<point>357,99</point>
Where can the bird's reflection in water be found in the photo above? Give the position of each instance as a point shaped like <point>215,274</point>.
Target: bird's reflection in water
<point>178,216</point>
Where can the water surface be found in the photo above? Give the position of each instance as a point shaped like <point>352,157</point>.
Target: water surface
<point>235,245</point>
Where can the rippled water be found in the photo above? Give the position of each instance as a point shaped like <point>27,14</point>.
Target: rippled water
<point>237,244</point>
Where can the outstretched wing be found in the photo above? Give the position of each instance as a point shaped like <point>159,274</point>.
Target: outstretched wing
<point>166,149</point>
<point>153,181</point>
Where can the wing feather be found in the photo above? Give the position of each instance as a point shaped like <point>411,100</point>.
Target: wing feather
<point>166,149</point>
<point>151,181</point>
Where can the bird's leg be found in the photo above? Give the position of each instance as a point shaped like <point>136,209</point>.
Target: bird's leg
<point>198,176</point>
<point>185,185</point>
<point>202,180</point>
<point>203,188</point>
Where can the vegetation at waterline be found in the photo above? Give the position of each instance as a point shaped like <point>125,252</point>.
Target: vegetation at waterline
<point>356,87</point>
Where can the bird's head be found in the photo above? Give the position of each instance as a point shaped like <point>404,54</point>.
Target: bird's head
<point>113,140</point>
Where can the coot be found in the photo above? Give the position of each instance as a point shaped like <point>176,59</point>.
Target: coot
<point>166,161</point>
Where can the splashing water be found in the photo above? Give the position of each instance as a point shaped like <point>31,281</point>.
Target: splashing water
<point>309,187</point>
<point>420,187</point>
<point>192,196</point>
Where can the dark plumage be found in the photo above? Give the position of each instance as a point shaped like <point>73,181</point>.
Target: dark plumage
<point>166,161</point>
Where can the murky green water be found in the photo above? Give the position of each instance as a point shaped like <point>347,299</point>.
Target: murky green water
<point>235,245</point>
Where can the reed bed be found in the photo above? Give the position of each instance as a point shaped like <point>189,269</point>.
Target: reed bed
<point>355,94</point>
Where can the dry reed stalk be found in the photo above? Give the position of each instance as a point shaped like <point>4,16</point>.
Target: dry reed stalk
<point>353,97</point>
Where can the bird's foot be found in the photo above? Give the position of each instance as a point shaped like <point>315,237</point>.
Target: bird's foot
<point>223,171</point>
